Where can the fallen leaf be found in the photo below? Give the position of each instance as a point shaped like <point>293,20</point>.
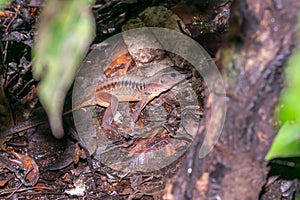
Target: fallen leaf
<point>6,119</point>
<point>30,166</point>
<point>5,178</point>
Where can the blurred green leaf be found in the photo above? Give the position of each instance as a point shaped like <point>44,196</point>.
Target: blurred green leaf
<point>293,70</point>
<point>65,31</point>
<point>289,105</point>
<point>287,142</point>
<point>4,3</point>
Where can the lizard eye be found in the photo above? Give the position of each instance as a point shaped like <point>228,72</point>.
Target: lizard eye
<point>173,74</point>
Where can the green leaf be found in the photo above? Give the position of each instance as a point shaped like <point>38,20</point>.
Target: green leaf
<point>289,105</point>
<point>4,3</point>
<point>65,31</point>
<point>293,70</point>
<point>287,142</point>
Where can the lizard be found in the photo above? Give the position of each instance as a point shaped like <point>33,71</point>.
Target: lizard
<point>126,88</point>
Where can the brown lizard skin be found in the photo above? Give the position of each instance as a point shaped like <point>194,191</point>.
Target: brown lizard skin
<point>129,87</point>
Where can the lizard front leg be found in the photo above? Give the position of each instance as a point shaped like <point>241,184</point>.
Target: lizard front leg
<point>149,93</point>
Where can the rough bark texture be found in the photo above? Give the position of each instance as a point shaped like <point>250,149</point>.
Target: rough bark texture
<point>258,44</point>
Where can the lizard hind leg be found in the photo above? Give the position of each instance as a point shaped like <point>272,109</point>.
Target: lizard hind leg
<point>111,102</point>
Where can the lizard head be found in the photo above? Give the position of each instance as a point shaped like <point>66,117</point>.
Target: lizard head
<point>164,80</point>
<point>171,76</point>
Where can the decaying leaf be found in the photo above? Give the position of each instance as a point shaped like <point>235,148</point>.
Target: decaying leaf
<point>28,164</point>
<point>65,31</point>
<point>6,119</point>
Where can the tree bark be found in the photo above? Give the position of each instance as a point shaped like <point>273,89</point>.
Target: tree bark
<point>256,48</point>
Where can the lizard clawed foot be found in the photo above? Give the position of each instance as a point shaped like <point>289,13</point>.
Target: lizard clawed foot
<point>136,114</point>
<point>119,131</point>
<point>109,127</point>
